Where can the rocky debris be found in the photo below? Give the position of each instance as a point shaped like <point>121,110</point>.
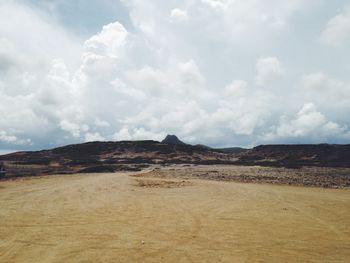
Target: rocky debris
<point>147,183</point>
<point>307,176</point>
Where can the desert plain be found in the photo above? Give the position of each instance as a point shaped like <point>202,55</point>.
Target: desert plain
<point>170,215</point>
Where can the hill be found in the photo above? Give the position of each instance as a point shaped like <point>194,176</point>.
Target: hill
<point>109,156</point>
<point>136,155</point>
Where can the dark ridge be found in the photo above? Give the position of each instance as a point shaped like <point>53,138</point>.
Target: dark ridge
<point>203,147</point>
<point>135,155</point>
<point>105,156</point>
<point>233,150</point>
<point>297,155</point>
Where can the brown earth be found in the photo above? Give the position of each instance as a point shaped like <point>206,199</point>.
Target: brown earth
<point>110,218</point>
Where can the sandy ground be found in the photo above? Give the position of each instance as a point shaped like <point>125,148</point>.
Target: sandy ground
<point>118,218</point>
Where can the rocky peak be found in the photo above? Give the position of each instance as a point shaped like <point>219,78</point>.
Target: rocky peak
<point>172,139</point>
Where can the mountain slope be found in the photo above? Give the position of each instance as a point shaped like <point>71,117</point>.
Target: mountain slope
<point>135,155</point>
<point>108,156</point>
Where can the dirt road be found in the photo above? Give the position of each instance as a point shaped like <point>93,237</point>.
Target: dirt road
<point>118,218</point>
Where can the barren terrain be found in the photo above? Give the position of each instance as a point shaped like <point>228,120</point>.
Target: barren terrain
<point>109,157</point>
<point>326,177</point>
<point>116,217</point>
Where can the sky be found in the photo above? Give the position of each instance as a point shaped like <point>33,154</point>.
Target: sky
<point>216,72</point>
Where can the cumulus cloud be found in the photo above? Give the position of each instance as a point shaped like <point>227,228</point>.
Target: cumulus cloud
<point>178,15</point>
<point>326,90</point>
<point>307,120</point>
<point>237,88</point>
<point>73,128</point>
<point>175,71</point>
<point>222,4</point>
<point>268,70</point>
<point>33,84</point>
<point>108,41</point>
<point>337,31</point>
<point>308,123</point>
<point>122,135</point>
<point>92,137</point>
<point>137,134</point>
<point>11,139</point>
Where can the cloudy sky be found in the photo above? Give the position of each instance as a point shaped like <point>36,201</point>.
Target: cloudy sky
<point>218,72</point>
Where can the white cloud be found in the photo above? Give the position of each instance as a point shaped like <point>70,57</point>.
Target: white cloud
<point>268,70</point>
<point>108,41</point>
<point>122,135</point>
<point>7,138</point>
<point>102,123</point>
<point>326,90</point>
<point>73,128</point>
<point>178,15</point>
<point>237,88</point>
<point>223,4</point>
<point>142,134</point>
<point>307,120</point>
<point>33,84</point>
<point>11,139</point>
<point>337,31</point>
<point>183,74</point>
<point>137,134</point>
<point>45,40</point>
<point>315,81</point>
<point>307,123</point>
<point>92,137</point>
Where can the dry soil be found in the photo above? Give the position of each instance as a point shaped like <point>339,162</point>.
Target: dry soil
<point>119,218</point>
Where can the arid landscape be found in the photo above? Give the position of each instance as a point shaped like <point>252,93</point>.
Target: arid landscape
<point>149,201</point>
<point>184,131</point>
<point>170,215</point>
<point>99,157</point>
